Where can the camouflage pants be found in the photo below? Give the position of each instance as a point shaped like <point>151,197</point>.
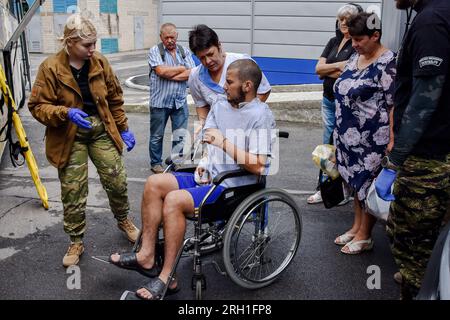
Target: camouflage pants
<point>422,192</point>
<point>98,146</point>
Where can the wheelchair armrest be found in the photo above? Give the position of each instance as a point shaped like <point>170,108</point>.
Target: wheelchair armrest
<point>283,134</point>
<point>230,174</point>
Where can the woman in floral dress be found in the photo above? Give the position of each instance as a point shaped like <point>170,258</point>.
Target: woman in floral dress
<point>364,103</point>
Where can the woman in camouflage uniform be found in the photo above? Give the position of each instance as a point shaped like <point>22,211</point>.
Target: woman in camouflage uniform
<point>77,96</point>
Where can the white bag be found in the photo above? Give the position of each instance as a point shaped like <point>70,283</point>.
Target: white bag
<point>324,158</point>
<point>376,206</point>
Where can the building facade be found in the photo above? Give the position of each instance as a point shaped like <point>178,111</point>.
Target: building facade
<point>285,37</point>
<point>122,25</point>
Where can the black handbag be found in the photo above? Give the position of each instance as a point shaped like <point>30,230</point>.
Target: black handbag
<point>332,191</point>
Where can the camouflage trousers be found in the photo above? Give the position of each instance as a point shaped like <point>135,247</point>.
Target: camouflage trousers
<point>422,193</point>
<point>98,146</point>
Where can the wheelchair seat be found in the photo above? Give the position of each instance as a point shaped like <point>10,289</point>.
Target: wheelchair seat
<point>226,204</point>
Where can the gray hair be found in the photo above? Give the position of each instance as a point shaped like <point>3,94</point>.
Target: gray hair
<point>347,11</point>
<point>167,25</point>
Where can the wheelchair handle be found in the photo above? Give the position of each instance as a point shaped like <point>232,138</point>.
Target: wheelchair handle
<point>168,160</point>
<point>283,134</point>
<point>230,174</point>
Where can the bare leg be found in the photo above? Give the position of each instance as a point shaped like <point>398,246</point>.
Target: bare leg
<point>358,216</point>
<point>356,220</point>
<point>177,205</point>
<point>364,232</point>
<point>366,226</point>
<point>155,190</point>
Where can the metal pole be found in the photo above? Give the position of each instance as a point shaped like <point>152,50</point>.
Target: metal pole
<point>9,45</point>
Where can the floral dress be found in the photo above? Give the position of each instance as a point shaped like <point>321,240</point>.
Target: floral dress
<point>364,99</point>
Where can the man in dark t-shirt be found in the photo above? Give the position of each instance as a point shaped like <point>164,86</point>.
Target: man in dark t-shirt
<point>420,159</point>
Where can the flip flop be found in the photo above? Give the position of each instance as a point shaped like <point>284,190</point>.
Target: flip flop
<point>156,287</point>
<point>129,261</point>
<point>343,239</point>
<point>315,198</point>
<point>357,247</point>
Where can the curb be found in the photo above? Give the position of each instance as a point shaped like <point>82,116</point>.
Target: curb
<point>302,107</point>
<point>130,83</point>
<point>307,112</point>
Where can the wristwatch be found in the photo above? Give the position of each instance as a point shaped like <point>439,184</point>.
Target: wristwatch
<point>386,163</point>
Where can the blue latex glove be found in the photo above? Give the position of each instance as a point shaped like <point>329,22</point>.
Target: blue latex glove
<point>128,138</point>
<point>77,116</point>
<point>384,183</point>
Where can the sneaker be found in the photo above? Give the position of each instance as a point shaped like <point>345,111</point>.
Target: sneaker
<point>72,256</point>
<point>157,168</point>
<point>131,231</point>
<point>315,198</point>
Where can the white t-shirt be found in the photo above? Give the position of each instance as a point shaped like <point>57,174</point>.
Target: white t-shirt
<point>250,128</point>
<point>203,95</point>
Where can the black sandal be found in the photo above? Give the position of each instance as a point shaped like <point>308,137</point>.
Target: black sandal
<point>129,261</point>
<point>156,288</point>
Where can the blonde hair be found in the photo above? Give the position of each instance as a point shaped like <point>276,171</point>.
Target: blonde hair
<point>78,28</point>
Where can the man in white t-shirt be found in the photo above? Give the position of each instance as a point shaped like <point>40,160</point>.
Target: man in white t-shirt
<point>206,81</point>
<point>239,134</point>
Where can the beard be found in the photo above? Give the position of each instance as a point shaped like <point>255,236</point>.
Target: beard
<point>234,101</point>
<point>404,4</point>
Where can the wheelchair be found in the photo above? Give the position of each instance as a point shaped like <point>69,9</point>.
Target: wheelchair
<point>258,229</point>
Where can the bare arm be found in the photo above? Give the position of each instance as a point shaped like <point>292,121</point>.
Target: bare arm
<point>324,69</point>
<point>253,163</point>
<point>202,113</point>
<point>263,97</point>
<point>169,72</point>
<point>335,74</point>
<point>391,131</point>
<point>183,76</point>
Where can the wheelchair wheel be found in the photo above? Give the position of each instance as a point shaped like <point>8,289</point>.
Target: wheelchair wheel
<point>261,238</point>
<point>198,289</point>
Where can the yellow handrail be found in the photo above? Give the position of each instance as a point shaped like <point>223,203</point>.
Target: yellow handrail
<point>23,140</point>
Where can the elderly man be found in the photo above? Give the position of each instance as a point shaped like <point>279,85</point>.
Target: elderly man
<point>170,66</point>
<point>169,197</point>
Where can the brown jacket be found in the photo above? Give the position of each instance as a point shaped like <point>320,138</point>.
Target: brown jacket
<point>55,91</point>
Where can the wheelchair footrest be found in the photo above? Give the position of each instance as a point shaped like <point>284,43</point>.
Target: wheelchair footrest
<point>217,267</point>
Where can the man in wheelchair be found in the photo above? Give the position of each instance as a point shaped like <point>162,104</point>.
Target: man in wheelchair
<point>238,135</point>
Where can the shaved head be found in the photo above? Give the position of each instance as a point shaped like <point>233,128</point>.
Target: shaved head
<point>248,70</point>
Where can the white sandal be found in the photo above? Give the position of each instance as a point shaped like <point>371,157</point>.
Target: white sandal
<point>315,198</point>
<point>356,247</point>
<point>343,239</point>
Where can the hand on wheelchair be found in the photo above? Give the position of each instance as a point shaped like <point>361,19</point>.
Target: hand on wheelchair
<point>214,137</point>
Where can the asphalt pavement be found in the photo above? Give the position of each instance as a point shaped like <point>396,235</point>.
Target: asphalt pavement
<point>32,240</point>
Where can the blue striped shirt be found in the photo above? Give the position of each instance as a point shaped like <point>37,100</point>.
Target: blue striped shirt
<point>166,93</point>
